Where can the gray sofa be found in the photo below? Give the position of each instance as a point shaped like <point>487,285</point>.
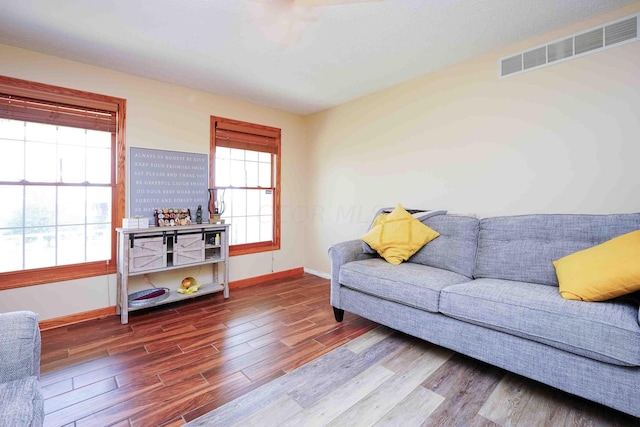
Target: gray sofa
<point>21,402</point>
<point>488,289</point>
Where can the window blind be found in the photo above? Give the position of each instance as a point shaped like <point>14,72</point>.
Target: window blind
<point>246,138</point>
<point>25,109</point>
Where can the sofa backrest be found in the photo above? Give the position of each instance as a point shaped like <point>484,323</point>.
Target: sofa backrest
<point>524,247</point>
<point>455,248</point>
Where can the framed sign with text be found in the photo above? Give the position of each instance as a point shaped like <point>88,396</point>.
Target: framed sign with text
<point>162,179</point>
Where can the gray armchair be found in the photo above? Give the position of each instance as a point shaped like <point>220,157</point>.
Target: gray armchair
<point>21,402</point>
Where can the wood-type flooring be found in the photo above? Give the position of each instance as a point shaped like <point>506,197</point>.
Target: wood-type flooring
<point>171,364</point>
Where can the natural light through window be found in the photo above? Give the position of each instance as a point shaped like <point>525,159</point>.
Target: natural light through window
<point>57,187</point>
<point>245,181</point>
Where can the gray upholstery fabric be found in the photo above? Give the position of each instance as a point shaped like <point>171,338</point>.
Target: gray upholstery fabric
<point>601,331</point>
<point>412,284</point>
<point>455,248</point>
<point>19,400</point>
<point>522,248</point>
<point>612,385</point>
<point>20,349</point>
<point>340,254</point>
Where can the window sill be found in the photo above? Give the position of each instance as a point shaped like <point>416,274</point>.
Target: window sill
<point>40,276</point>
<point>253,248</point>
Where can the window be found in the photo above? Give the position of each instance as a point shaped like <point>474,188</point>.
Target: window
<point>245,177</point>
<point>60,182</point>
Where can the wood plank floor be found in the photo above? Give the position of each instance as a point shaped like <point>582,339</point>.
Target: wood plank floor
<point>174,363</point>
<point>386,378</point>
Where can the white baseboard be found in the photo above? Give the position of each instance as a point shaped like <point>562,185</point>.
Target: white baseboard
<point>317,273</point>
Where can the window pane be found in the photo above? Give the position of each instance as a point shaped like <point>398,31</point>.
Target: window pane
<point>223,172</point>
<point>99,165</point>
<point>236,154</point>
<point>264,174</point>
<point>40,247</point>
<point>40,132</point>
<point>266,202</point>
<point>11,246</point>
<point>41,162</point>
<point>253,229</point>
<point>71,163</point>
<point>11,160</point>
<point>238,230</point>
<point>12,195</point>
<point>253,202</point>
<point>99,205</point>
<point>71,240</point>
<point>223,153</point>
<point>12,129</point>
<point>98,139</point>
<point>264,157</point>
<point>266,228</point>
<point>40,205</point>
<point>252,173</point>
<point>251,156</point>
<point>71,136</point>
<point>238,202</point>
<point>71,205</point>
<point>238,176</point>
<point>98,242</point>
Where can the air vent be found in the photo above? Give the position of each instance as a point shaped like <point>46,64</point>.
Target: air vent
<point>621,31</point>
<point>589,41</point>
<point>584,43</point>
<point>560,50</point>
<point>512,65</point>
<point>535,57</point>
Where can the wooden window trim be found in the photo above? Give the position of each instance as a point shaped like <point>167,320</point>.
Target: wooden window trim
<point>273,146</point>
<point>57,94</point>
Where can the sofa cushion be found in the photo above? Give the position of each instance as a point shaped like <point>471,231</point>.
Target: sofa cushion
<point>21,403</point>
<point>523,248</point>
<point>601,272</point>
<point>410,284</point>
<point>603,331</point>
<point>455,249</point>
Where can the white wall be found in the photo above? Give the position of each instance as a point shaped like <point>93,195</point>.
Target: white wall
<point>561,139</point>
<point>168,117</point>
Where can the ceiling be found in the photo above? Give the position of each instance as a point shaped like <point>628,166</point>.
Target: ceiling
<point>276,53</point>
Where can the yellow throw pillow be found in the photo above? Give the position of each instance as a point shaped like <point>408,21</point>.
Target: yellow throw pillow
<point>602,272</point>
<point>398,235</point>
<point>379,219</point>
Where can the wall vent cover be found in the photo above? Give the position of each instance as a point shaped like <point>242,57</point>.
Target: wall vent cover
<point>593,40</point>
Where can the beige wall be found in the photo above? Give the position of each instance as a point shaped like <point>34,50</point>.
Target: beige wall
<point>560,139</point>
<point>166,117</point>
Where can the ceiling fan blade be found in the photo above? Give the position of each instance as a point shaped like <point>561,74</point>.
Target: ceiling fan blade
<point>322,3</point>
<point>284,21</point>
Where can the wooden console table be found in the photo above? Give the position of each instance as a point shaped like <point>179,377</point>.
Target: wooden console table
<point>156,249</point>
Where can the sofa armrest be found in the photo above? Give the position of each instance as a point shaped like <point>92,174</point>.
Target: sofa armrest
<point>340,254</point>
<point>20,345</point>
